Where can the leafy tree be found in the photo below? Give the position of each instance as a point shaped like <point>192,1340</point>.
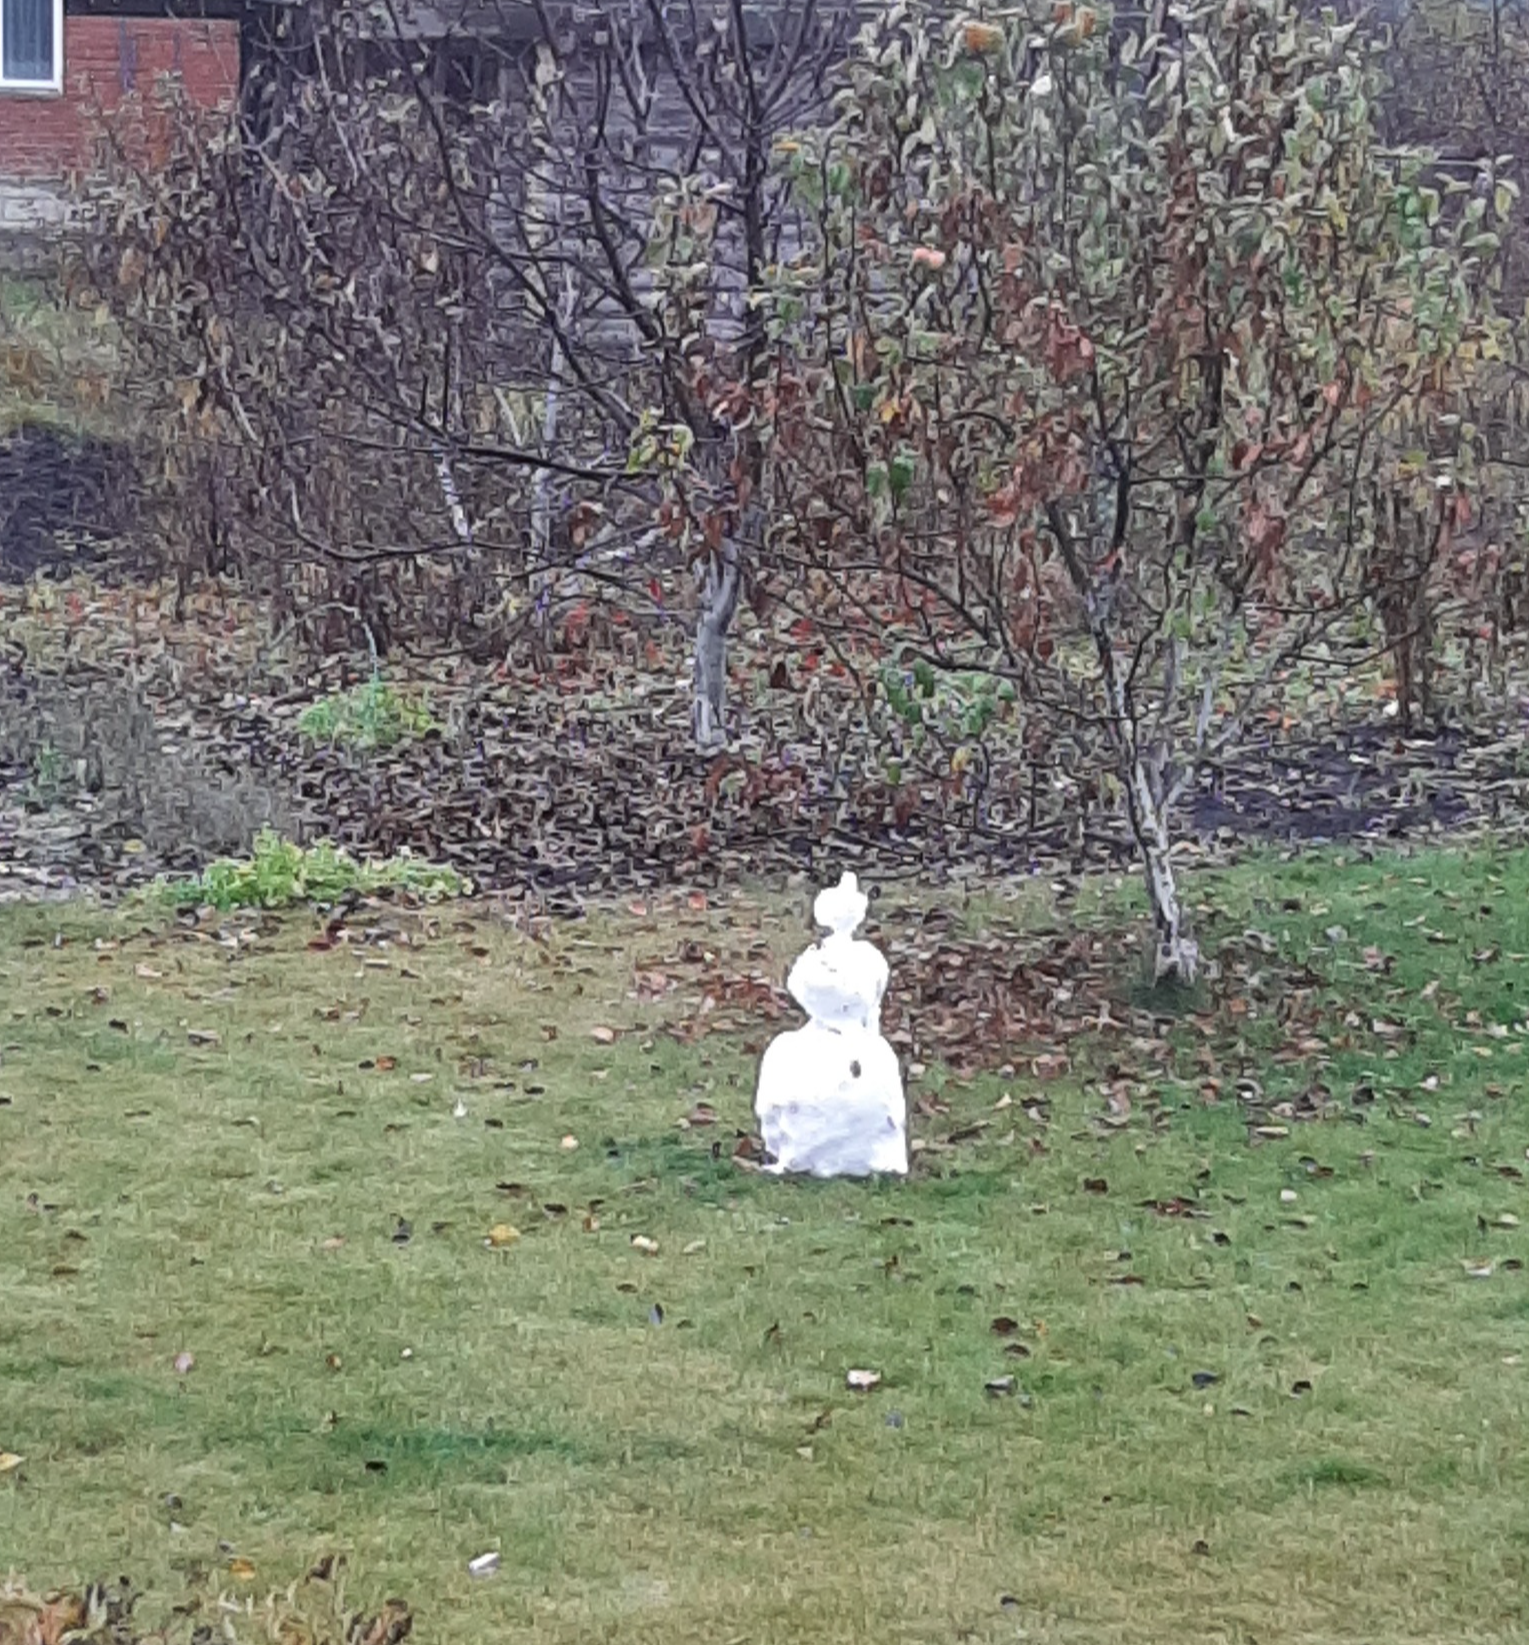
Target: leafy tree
<point>1113,342</point>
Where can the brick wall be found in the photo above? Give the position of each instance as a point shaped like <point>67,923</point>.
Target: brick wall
<point>109,61</point>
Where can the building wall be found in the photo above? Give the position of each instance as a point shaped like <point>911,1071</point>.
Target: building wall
<point>109,61</point>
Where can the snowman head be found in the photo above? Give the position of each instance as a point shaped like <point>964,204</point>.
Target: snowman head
<point>841,907</point>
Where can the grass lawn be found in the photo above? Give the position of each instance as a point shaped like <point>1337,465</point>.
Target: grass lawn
<point>1236,1414</point>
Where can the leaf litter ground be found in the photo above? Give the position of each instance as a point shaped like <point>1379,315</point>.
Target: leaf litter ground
<point>436,1241</point>
<point>572,774</point>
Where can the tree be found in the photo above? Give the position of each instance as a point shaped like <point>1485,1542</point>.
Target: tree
<point>433,310</point>
<point>1113,340</point>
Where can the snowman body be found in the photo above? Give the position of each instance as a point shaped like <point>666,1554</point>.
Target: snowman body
<point>830,1098</point>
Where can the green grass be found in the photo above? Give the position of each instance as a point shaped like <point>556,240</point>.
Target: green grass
<point>1352,1473</point>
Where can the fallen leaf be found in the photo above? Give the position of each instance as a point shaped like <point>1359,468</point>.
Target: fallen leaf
<point>483,1565</point>
<point>502,1234</point>
<point>862,1381</point>
<point>603,1035</point>
<point>996,1387</point>
<point>9,1462</point>
<point>183,1362</point>
<point>241,1570</point>
<point>648,1247</point>
<point>568,1144</point>
<point>203,1036</point>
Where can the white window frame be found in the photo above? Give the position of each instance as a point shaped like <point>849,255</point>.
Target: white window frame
<point>37,88</point>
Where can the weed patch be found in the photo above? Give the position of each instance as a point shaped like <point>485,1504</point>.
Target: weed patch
<point>369,718</point>
<point>281,874</point>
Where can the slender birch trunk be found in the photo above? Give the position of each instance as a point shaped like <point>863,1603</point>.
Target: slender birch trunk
<point>720,576</point>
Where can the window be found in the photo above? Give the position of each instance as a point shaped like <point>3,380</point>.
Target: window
<point>31,45</point>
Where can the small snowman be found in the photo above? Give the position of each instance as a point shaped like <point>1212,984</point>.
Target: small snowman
<point>830,1100</point>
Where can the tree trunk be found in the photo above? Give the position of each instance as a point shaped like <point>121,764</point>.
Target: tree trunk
<point>719,599</point>
<point>1175,956</point>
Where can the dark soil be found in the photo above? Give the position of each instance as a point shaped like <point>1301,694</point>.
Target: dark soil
<point>62,498</point>
<point>1369,781</point>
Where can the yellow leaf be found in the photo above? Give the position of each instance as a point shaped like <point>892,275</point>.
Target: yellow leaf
<point>981,37</point>
<point>9,1462</point>
<point>241,1570</point>
<point>502,1234</point>
<point>604,1035</point>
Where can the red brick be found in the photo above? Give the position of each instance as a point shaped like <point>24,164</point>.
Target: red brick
<point>113,69</point>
